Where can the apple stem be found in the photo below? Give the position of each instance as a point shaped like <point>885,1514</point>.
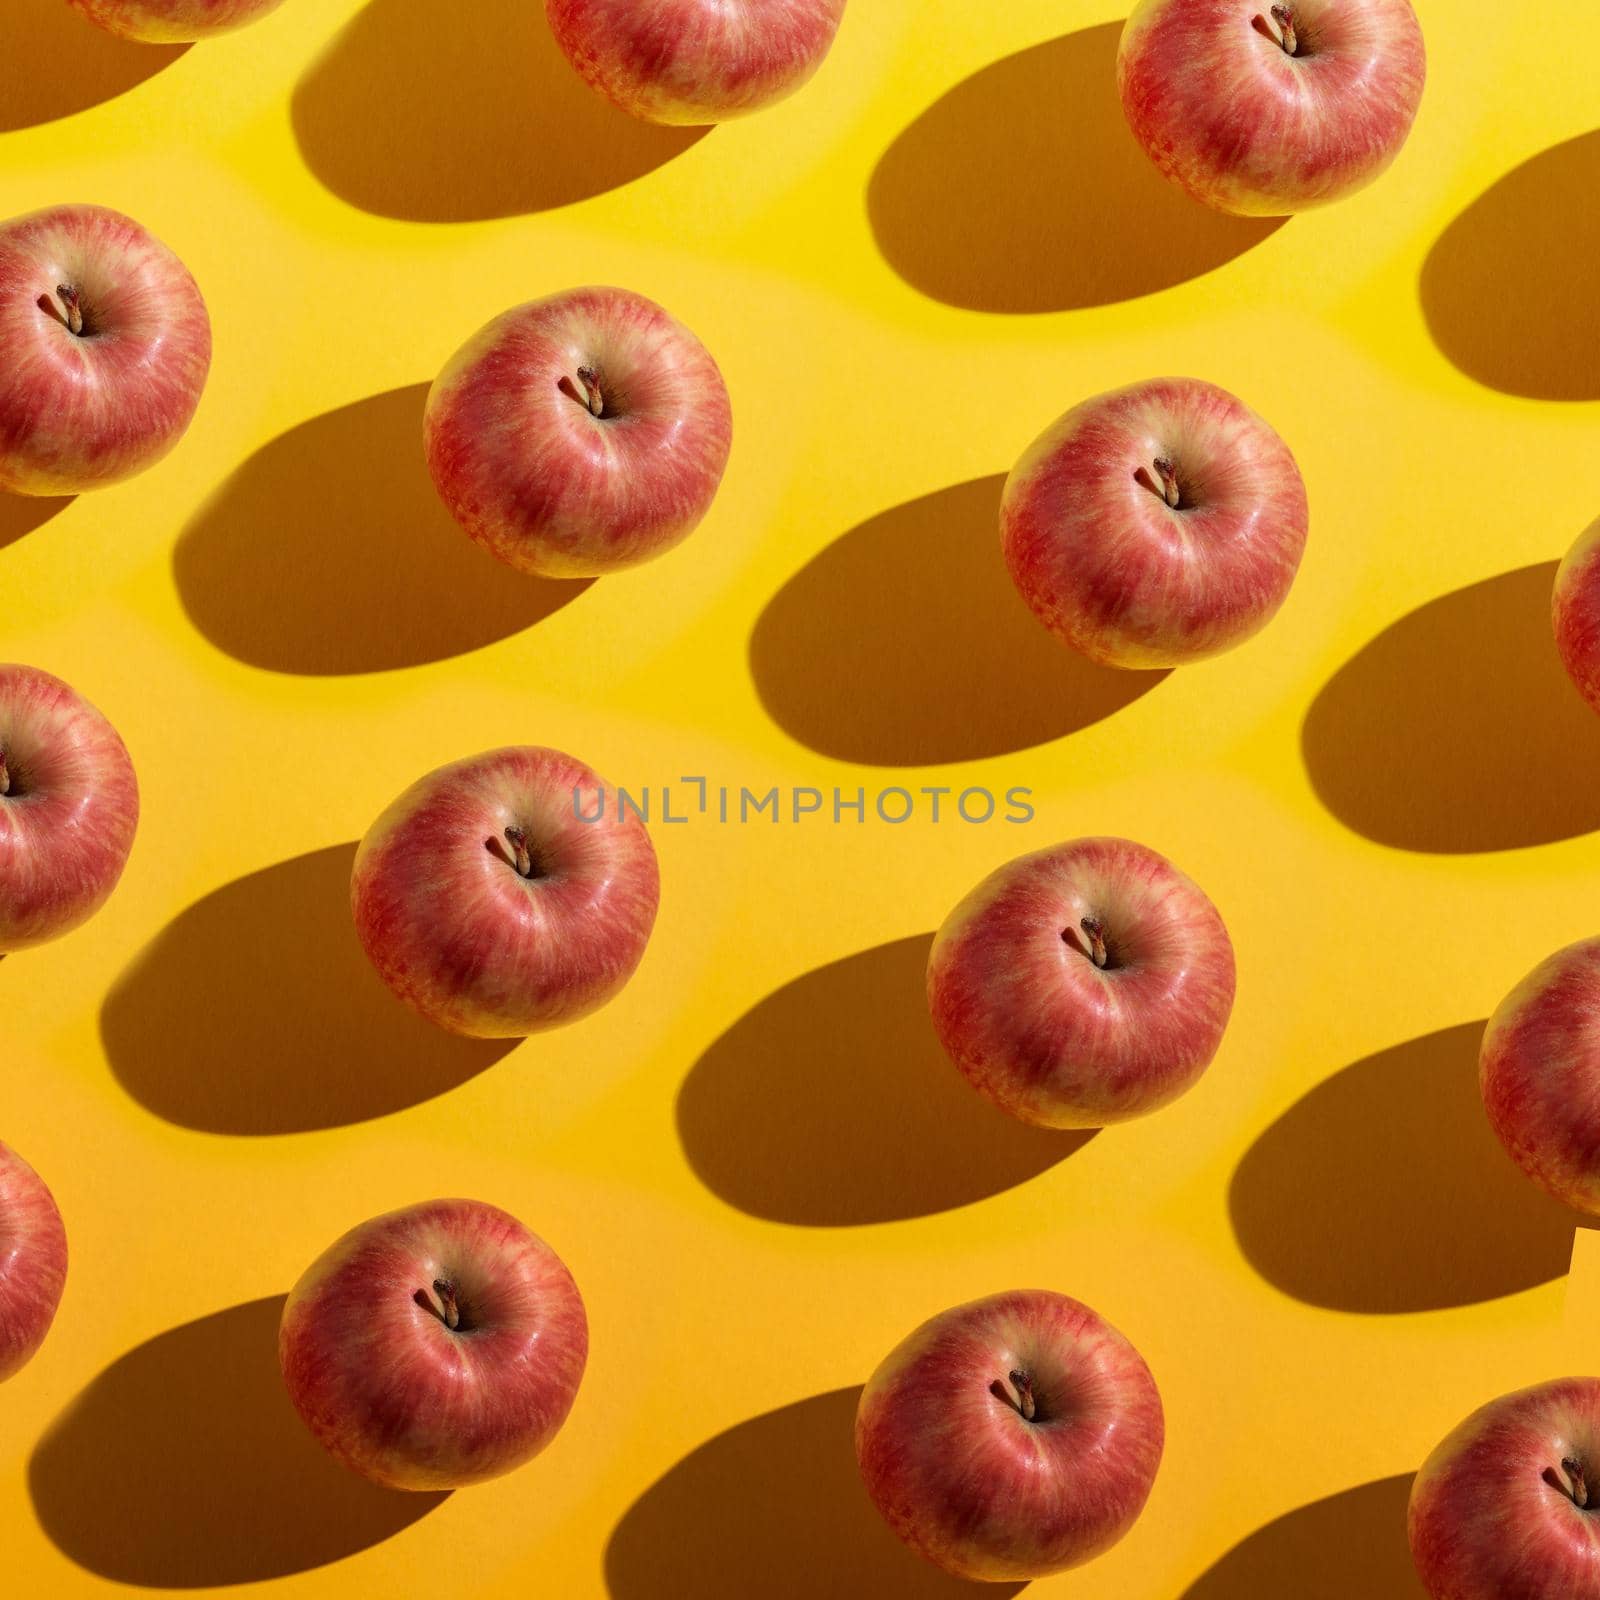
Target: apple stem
<point>1280,28</point>
<point>446,1292</point>
<point>5,775</point>
<point>74,304</point>
<point>522,857</point>
<point>1095,932</point>
<point>1022,1382</point>
<point>593,397</point>
<point>1168,488</point>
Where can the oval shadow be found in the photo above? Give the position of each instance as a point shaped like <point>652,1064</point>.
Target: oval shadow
<point>329,552</point>
<point>1385,1190</point>
<point>1457,729</point>
<point>1022,190</point>
<point>772,1507</point>
<point>1348,1545</point>
<point>831,1103</point>
<point>20,514</point>
<point>255,1011</point>
<point>183,1465</point>
<point>419,111</point>
<point>905,643</point>
<point>54,62</point>
<point>1508,290</point>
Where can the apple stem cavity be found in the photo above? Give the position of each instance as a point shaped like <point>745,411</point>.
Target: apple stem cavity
<point>1279,27</point>
<point>73,302</point>
<point>521,856</point>
<point>1167,488</point>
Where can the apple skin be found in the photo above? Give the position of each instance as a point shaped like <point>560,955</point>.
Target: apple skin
<point>968,1482</point>
<point>1227,113</point>
<point>1539,1071</point>
<point>1115,571</point>
<point>69,809</point>
<point>539,479</point>
<point>1493,1511</point>
<point>462,936</point>
<point>173,21</point>
<point>82,410</point>
<point>396,1394</point>
<point>1575,614</point>
<point>691,62</point>
<point>33,1262</point>
<point>1022,1008</point>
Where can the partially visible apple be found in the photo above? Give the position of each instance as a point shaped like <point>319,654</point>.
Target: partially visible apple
<point>173,21</point>
<point>436,1346</point>
<point>69,806</point>
<point>1156,525</point>
<point>578,435</point>
<point>1082,984</point>
<point>1263,109</point>
<point>33,1262</point>
<point>489,903</point>
<point>1539,1071</point>
<point>104,349</point>
<point>1508,1506</point>
<point>1575,613</point>
<point>695,61</point>
<point>1012,1437</point>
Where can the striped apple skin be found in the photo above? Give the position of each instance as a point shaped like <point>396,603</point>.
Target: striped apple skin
<point>969,1482</point>
<point>695,61</point>
<point>396,1394</point>
<point>1539,1072</point>
<point>33,1262</point>
<point>1229,115</point>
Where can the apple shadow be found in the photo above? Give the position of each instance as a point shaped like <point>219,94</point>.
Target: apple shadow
<point>831,1103</point>
<point>54,62</point>
<point>905,643</point>
<point>1385,1190</point>
<point>1508,289</point>
<point>434,114</point>
<point>329,552</point>
<point>20,514</point>
<point>1022,190</point>
<point>255,1011</point>
<point>1457,730</point>
<point>183,1465</point>
<point>1349,1544</point>
<point>773,1507</point>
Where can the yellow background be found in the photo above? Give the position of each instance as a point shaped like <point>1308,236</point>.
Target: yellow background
<point>905,272</point>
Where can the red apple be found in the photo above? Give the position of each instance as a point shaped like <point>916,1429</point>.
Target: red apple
<point>1083,984</point>
<point>104,349</point>
<point>1262,109</point>
<point>1156,525</point>
<point>1012,1437</point>
<point>173,21</point>
<point>580,434</point>
<point>506,893</point>
<point>33,1262</point>
<point>69,805</point>
<point>695,61</point>
<point>1575,609</point>
<point>1539,1071</point>
<point>436,1346</point>
<point>1503,1508</point>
